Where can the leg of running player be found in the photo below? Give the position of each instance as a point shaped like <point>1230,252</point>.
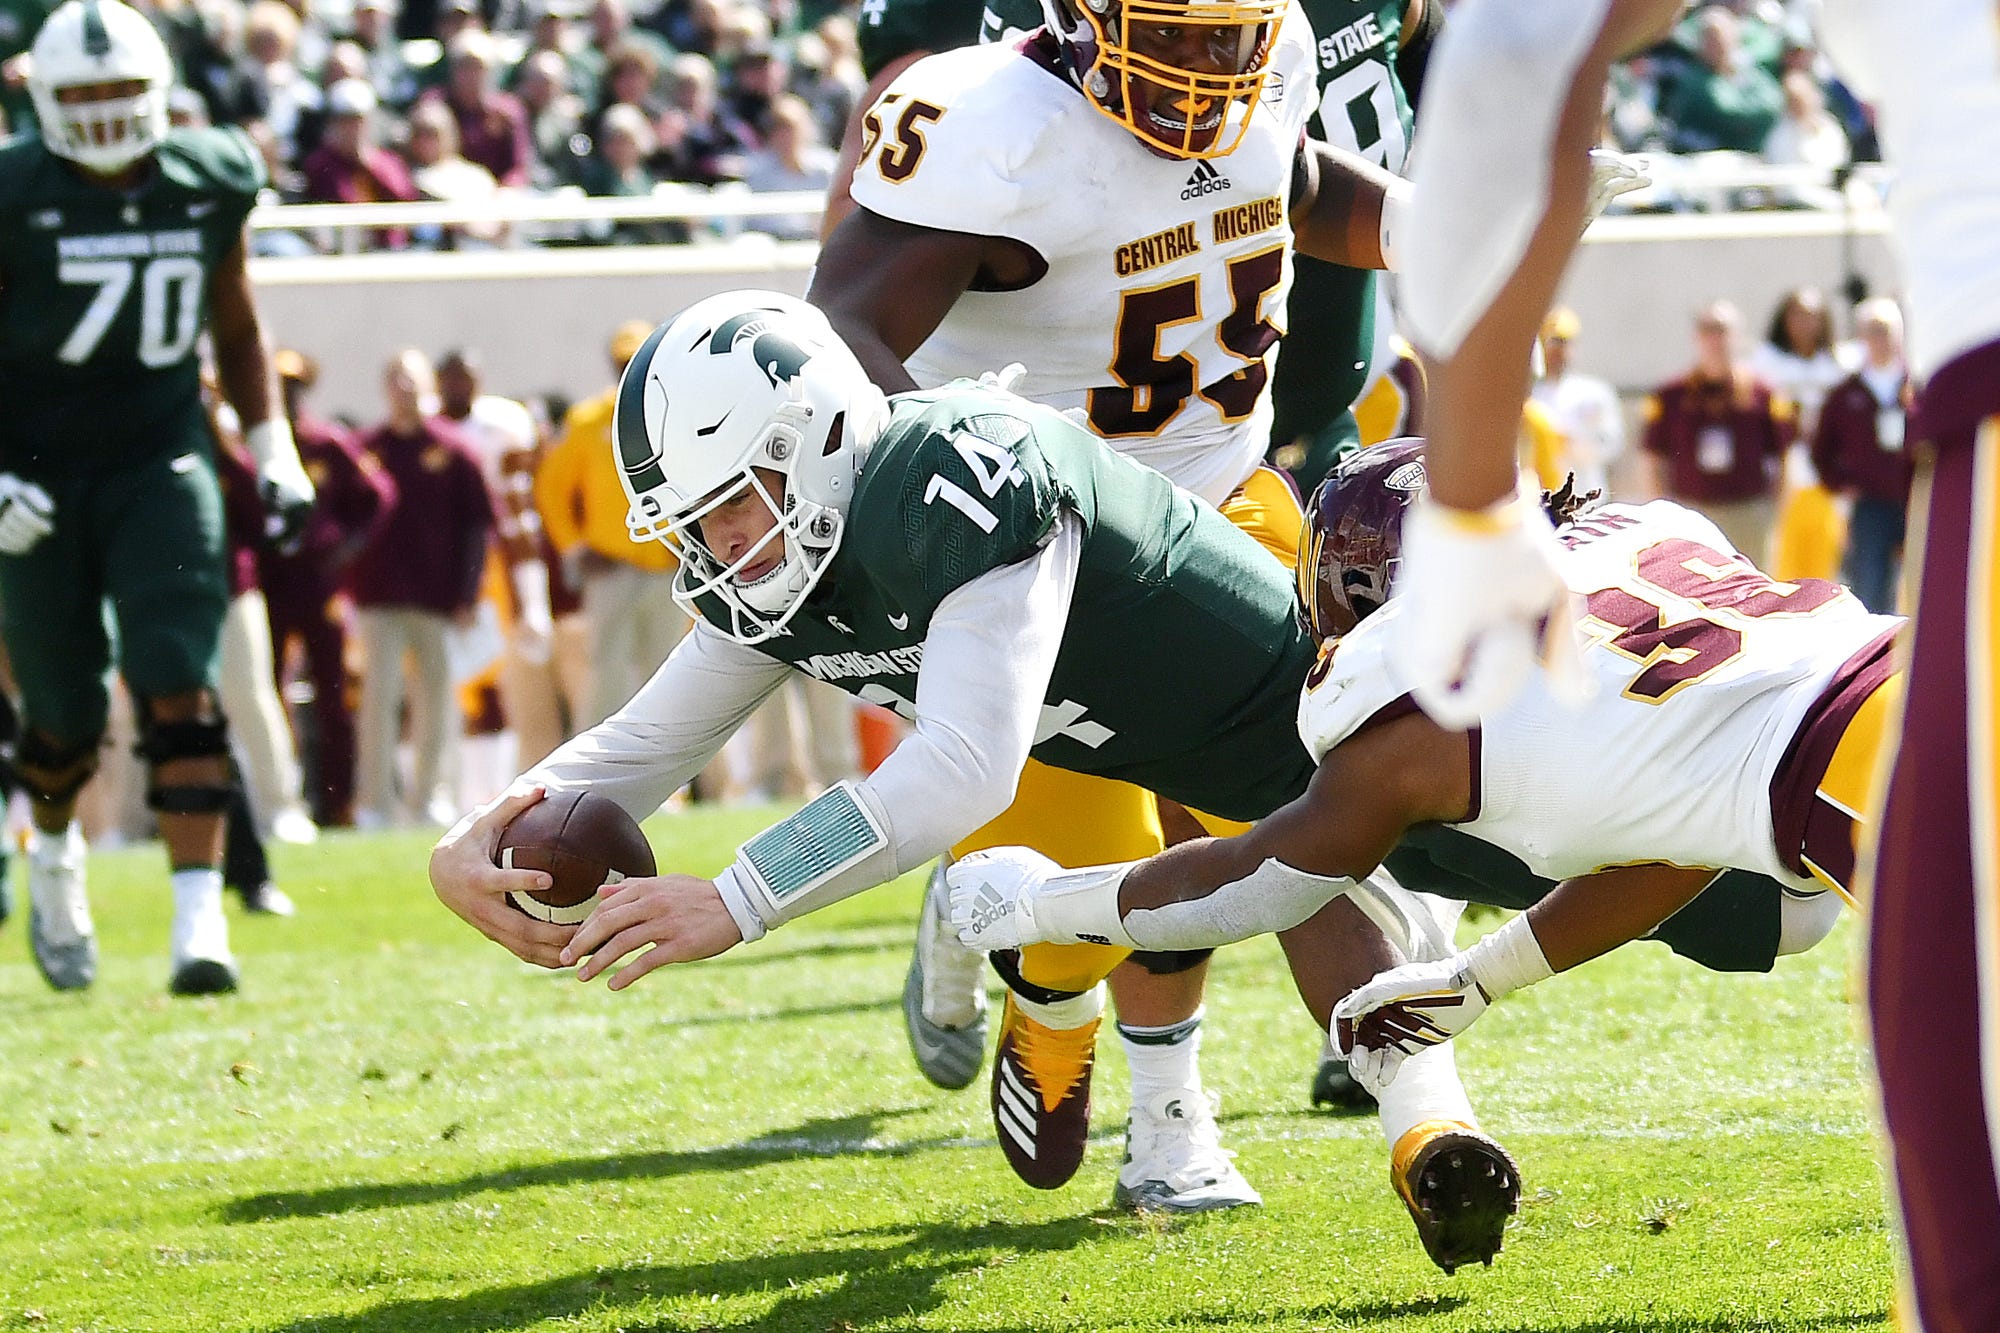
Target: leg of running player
<point>1498,205</point>
<point>1934,944</point>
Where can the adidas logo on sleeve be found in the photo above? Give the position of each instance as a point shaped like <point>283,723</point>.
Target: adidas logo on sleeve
<point>1206,180</point>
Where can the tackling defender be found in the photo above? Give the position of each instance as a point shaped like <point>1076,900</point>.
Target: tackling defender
<point>1734,724</point>
<point>986,567</point>
<point>120,241</point>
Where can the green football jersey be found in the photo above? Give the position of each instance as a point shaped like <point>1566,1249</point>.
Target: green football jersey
<point>1182,661</point>
<point>1323,360</point>
<point>103,293</point>
<point>891,29</point>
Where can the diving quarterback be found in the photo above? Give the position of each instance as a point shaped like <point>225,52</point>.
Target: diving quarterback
<point>1733,726</point>
<point>1114,201</point>
<point>120,242</point>
<point>987,568</point>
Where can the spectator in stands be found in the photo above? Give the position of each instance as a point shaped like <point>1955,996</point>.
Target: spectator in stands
<point>389,72</point>
<point>349,167</point>
<point>1859,448</point>
<point>440,173</point>
<point>793,158</point>
<point>611,27</point>
<point>344,60</point>
<point>1714,437</point>
<point>455,19</point>
<point>693,26</point>
<point>1806,133</point>
<point>508,445</point>
<point>207,46</point>
<point>292,101</point>
<point>627,586</point>
<point>303,590</point>
<point>1583,408</point>
<point>631,78</point>
<point>826,72</point>
<point>713,144</point>
<point>619,170</point>
<point>1728,101</point>
<point>492,126</point>
<point>756,80</point>
<point>1797,359</point>
<point>555,118</point>
<point>418,576</point>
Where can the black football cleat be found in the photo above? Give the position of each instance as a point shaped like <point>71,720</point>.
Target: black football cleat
<point>1460,1187</point>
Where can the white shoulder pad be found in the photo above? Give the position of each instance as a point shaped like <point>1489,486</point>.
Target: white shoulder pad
<point>1354,679</point>
<point>956,129</point>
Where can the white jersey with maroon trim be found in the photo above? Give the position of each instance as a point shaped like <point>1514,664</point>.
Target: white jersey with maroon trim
<point>1160,309</point>
<point>1933,69</point>
<point>1703,669</point>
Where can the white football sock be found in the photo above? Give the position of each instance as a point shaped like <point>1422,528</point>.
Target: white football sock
<point>1426,1087</point>
<point>1163,1059</point>
<point>1065,1014</point>
<point>197,892</point>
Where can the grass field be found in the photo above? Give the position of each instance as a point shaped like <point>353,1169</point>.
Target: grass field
<point>395,1126</point>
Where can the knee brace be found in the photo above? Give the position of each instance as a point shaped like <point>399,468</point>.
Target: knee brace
<point>1007,962</point>
<point>163,742</point>
<point>51,770</point>
<point>1804,919</point>
<point>1166,962</point>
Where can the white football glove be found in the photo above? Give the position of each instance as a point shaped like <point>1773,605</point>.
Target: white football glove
<point>27,514</point>
<point>1611,174</point>
<point>1482,600</point>
<point>993,897</point>
<point>1401,1012</point>
<point>282,483</point>
<point>1416,1005</point>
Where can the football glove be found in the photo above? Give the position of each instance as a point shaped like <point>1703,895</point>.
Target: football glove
<point>1612,174</point>
<point>1407,1008</point>
<point>27,514</point>
<point>1483,599</point>
<point>282,484</point>
<point>1401,1012</point>
<point>993,897</point>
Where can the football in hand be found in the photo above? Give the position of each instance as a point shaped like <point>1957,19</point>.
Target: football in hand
<point>584,842</point>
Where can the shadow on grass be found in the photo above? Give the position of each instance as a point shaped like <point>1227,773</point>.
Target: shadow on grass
<point>835,1136</point>
<point>1721,1323</point>
<point>726,1017</point>
<point>848,1287</point>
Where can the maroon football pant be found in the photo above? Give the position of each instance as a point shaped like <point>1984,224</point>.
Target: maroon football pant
<point>319,622</point>
<point>1934,937</point>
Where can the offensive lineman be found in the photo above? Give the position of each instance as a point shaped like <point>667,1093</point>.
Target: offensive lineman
<point>120,241</point>
<point>1734,725</point>
<point>1016,588</point>
<point>1115,201</point>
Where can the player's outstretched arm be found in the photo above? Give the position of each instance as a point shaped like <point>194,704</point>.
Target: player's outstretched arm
<point>243,366</point>
<point>1366,794</point>
<point>1345,209</point>
<point>1423,1004</point>
<point>468,880</point>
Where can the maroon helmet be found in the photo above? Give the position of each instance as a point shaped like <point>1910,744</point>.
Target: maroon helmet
<point>1354,535</point>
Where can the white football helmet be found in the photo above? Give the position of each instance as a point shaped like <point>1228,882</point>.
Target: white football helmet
<point>745,380</point>
<point>110,46</point>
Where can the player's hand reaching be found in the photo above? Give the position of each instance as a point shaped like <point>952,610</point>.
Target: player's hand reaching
<point>27,514</point>
<point>993,897</point>
<point>467,880</point>
<point>282,483</point>
<point>673,918</point>
<point>1401,1012</point>
<point>1611,174</point>
<point>1482,601</point>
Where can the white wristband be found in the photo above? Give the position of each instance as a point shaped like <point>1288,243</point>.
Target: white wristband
<point>1508,959</point>
<point>1081,906</point>
<point>269,439</point>
<point>1395,217</point>
<point>741,910</point>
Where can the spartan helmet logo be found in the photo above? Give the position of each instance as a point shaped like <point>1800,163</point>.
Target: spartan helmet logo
<point>776,355</point>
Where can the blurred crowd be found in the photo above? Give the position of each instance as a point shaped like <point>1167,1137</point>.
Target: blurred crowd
<point>357,101</point>
<point>464,599</point>
<point>1788,435</point>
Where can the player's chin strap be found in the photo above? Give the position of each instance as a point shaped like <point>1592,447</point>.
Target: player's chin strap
<point>837,844</point>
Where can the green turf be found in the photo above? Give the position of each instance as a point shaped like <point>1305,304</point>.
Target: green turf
<point>397,1127</point>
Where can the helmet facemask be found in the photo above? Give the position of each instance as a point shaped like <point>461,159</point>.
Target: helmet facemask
<point>1182,77</point>
<point>99,76</point>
